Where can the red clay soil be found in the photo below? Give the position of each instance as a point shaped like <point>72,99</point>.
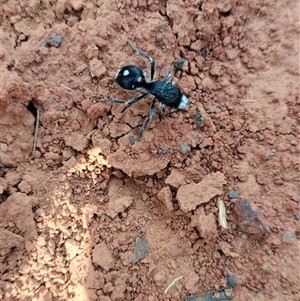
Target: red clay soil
<point>71,211</point>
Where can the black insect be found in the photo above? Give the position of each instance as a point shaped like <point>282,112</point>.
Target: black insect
<point>131,77</point>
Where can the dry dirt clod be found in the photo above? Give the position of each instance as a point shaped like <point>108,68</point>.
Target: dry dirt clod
<point>10,240</point>
<point>175,179</point>
<point>103,257</point>
<point>72,248</point>
<point>191,195</point>
<point>18,208</point>
<point>205,224</point>
<point>165,196</point>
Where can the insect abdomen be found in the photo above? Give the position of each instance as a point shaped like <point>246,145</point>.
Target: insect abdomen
<point>165,93</point>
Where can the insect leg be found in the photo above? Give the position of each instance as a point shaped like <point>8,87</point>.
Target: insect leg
<point>149,58</point>
<point>148,119</point>
<point>169,74</point>
<point>162,108</point>
<point>127,102</point>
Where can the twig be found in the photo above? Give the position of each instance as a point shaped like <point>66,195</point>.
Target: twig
<point>172,283</point>
<point>55,127</point>
<point>68,88</point>
<point>250,287</point>
<point>221,213</point>
<point>248,100</point>
<point>36,130</point>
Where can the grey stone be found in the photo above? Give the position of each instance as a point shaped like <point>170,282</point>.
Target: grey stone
<point>288,237</point>
<point>140,250</point>
<point>232,194</point>
<point>184,148</point>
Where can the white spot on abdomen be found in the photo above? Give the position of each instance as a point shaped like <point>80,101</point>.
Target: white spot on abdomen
<point>183,102</point>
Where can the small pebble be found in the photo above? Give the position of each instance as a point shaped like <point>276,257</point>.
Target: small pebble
<point>179,63</point>
<point>131,140</point>
<point>247,22</point>
<point>184,148</point>
<point>56,40</point>
<point>288,237</point>
<point>4,147</point>
<point>45,43</point>
<point>244,236</point>
<point>198,117</point>
<point>297,216</point>
<point>232,194</point>
<point>16,249</point>
<point>159,37</point>
<point>22,37</point>
<point>225,273</point>
<point>161,150</point>
<point>231,280</point>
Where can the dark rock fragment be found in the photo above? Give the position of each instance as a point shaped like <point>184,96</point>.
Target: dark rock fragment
<point>248,220</point>
<point>209,297</point>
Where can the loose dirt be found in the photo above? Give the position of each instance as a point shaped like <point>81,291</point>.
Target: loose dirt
<point>74,209</point>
